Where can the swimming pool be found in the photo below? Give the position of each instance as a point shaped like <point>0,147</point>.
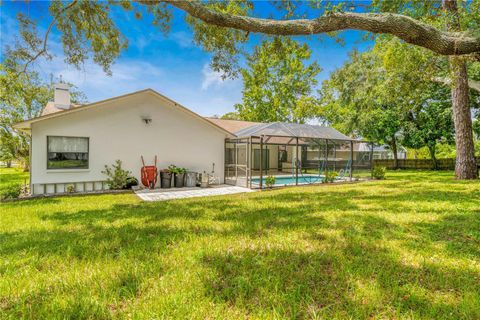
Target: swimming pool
<point>289,180</point>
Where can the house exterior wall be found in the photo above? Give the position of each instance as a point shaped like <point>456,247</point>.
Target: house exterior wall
<point>116,131</point>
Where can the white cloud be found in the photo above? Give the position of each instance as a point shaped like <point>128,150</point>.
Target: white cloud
<point>127,75</point>
<point>182,39</point>
<point>211,78</point>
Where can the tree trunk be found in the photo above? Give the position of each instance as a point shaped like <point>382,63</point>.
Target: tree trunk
<point>394,150</point>
<point>9,163</point>
<point>465,165</point>
<point>431,150</point>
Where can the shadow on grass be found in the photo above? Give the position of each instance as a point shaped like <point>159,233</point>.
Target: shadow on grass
<point>25,203</point>
<point>92,242</point>
<point>347,271</point>
<point>358,280</point>
<point>458,233</point>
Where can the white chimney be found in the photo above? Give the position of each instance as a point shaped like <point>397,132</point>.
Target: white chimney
<point>62,96</point>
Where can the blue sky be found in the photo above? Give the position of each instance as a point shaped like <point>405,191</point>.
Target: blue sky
<point>171,64</point>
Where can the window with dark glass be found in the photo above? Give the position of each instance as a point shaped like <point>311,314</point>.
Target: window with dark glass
<point>67,152</point>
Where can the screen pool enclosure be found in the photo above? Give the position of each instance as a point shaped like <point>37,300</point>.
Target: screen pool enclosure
<point>294,154</point>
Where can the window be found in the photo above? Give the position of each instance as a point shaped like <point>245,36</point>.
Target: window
<point>67,153</point>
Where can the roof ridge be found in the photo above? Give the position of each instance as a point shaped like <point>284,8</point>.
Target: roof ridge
<point>288,129</point>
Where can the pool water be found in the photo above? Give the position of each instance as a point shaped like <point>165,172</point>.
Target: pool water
<point>289,180</point>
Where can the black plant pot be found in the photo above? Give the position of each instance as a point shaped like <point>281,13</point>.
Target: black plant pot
<point>179,180</point>
<point>165,180</point>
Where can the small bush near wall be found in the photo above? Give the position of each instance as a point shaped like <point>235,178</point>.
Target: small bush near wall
<point>379,173</point>
<point>12,191</point>
<point>70,188</point>
<point>118,178</point>
<point>270,181</point>
<point>330,176</point>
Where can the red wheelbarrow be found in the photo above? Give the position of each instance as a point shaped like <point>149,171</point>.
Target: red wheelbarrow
<point>149,174</point>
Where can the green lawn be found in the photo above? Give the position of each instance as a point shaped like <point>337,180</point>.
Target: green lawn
<point>404,248</point>
<point>12,176</point>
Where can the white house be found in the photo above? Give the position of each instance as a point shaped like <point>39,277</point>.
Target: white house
<point>72,144</point>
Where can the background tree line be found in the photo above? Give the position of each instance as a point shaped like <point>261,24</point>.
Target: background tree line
<point>388,95</point>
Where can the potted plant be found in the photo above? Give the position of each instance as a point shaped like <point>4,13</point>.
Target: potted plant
<point>131,182</point>
<point>165,178</point>
<point>191,179</point>
<point>179,175</point>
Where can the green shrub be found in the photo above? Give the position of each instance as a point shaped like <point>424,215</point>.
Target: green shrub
<point>117,177</point>
<point>131,182</point>
<point>330,176</point>
<point>12,191</point>
<point>270,181</point>
<point>379,173</point>
<point>70,188</point>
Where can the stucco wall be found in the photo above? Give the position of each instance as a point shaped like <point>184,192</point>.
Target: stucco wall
<point>116,131</point>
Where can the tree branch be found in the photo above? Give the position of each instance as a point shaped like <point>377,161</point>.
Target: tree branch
<point>404,27</point>
<point>45,39</point>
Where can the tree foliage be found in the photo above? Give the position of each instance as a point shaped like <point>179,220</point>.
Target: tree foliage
<point>88,30</point>
<point>22,96</point>
<point>386,95</point>
<point>278,83</point>
<point>231,116</point>
<point>430,122</point>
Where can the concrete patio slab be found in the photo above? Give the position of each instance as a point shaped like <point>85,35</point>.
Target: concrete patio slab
<point>169,194</point>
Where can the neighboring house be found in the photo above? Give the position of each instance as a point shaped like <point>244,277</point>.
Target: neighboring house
<point>71,144</point>
<point>384,152</point>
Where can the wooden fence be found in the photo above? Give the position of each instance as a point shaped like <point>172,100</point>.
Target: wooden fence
<point>425,164</point>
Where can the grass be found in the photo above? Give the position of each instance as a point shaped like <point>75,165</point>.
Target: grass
<point>9,176</point>
<point>404,248</point>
